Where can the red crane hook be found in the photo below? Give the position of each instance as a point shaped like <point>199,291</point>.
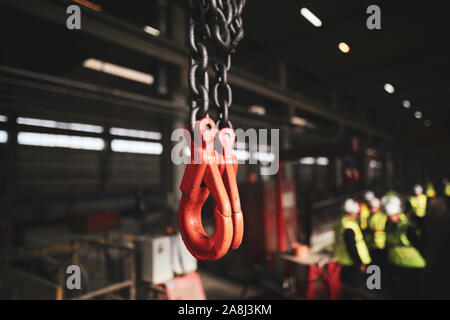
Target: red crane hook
<point>228,168</point>
<point>202,177</point>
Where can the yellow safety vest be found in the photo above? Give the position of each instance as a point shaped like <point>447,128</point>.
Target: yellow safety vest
<point>431,193</point>
<point>340,250</point>
<point>419,205</point>
<point>376,239</point>
<point>364,216</point>
<point>399,249</point>
<point>447,189</point>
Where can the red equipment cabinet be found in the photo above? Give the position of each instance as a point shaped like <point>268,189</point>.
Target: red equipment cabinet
<point>260,208</point>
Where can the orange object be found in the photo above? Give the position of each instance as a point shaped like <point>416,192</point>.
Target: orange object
<point>97,222</point>
<point>300,250</point>
<point>89,5</point>
<point>228,168</point>
<point>202,177</point>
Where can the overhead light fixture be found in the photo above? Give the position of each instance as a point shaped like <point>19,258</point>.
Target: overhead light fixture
<point>258,110</point>
<point>427,123</point>
<point>299,121</point>
<point>118,71</point>
<point>311,17</point>
<point>389,88</point>
<point>344,47</point>
<point>152,31</point>
<point>418,115</point>
<point>89,4</point>
<point>3,118</point>
<point>406,104</point>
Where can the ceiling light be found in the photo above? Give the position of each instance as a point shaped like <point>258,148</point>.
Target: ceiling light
<point>427,123</point>
<point>406,104</point>
<point>389,88</point>
<point>418,114</point>
<point>118,71</point>
<point>299,121</point>
<point>345,48</point>
<point>308,15</point>
<point>152,31</point>
<point>258,110</point>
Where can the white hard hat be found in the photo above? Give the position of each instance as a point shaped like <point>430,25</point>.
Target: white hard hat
<point>369,195</point>
<point>351,206</point>
<point>392,205</point>
<point>375,203</point>
<point>418,189</point>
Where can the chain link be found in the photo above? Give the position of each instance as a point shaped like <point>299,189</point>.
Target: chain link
<point>216,28</point>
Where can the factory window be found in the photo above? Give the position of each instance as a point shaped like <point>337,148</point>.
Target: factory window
<point>60,141</point>
<point>135,133</point>
<point>241,155</point>
<point>3,136</point>
<point>307,161</point>
<point>59,125</point>
<point>264,157</point>
<point>136,146</point>
<point>133,146</point>
<point>320,161</point>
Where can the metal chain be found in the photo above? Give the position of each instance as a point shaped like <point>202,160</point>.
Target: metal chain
<point>216,28</point>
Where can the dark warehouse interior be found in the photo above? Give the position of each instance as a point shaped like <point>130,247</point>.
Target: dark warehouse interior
<point>347,102</point>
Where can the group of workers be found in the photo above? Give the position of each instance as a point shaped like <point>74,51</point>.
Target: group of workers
<point>378,232</point>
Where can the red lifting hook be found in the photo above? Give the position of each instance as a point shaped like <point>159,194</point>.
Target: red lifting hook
<point>199,180</point>
<point>228,168</point>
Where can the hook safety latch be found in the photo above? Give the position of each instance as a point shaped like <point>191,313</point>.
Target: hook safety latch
<point>202,177</point>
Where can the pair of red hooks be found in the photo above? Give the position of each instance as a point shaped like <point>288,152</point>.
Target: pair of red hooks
<point>211,173</point>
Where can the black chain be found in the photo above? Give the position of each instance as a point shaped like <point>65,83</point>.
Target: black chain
<point>215,28</point>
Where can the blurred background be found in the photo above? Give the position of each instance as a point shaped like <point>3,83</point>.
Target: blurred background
<point>86,117</point>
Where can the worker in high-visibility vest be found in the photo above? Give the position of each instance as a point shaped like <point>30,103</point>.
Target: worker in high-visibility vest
<point>447,192</point>
<point>416,208</point>
<point>376,237</point>
<point>430,191</point>
<point>350,249</point>
<point>364,210</point>
<point>404,251</point>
